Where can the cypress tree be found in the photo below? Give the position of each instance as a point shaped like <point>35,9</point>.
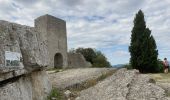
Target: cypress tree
<point>142,47</point>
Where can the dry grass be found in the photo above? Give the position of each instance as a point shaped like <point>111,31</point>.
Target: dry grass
<point>163,80</point>
<point>161,77</point>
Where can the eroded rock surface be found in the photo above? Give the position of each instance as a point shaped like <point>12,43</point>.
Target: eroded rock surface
<point>23,57</point>
<point>34,86</point>
<point>124,85</point>
<point>24,40</point>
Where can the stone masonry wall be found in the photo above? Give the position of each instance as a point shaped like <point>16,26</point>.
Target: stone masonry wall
<point>55,31</point>
<point>77,60</point>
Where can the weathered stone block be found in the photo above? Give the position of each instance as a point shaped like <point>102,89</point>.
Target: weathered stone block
<point>77,60</point>
<point>23,40</point>
<point>34,86</point>
<point>23,57</point>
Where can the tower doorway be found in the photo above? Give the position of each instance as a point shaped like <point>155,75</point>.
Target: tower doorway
<point>58,60</point>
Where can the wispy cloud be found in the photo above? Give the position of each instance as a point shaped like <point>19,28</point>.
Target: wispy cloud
<point>102,24</point>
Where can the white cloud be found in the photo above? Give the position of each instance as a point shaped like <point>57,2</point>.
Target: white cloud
<point>96,23</point>
<point>120,53</point>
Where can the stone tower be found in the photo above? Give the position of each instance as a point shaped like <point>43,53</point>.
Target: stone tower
<point>54,31</point>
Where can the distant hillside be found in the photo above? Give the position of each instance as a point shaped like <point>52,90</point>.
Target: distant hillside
<point>118,65</point>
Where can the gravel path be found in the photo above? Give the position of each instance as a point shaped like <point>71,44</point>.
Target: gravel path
<point>71,77</point>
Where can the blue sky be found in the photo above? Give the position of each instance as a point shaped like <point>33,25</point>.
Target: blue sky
<point>102,24</point>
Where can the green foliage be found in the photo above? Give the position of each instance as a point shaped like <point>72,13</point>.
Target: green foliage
<point>143,49</point>
<point>100,60</point>
<point>160,66</point>
<point>96,58</point>
<point>55,94</point>
<point>88,53</point>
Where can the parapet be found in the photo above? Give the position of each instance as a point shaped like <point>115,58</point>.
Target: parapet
<point>46,21</point>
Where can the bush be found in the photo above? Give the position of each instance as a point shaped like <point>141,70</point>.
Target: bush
<point>160,66</point>
<point>55,94</point>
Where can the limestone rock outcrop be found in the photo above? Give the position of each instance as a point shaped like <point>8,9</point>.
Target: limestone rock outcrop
<point>24,40</point>
<point>33,86</point>
<point>124,85</point>
<point>77,60</point>
<point>23,58</point>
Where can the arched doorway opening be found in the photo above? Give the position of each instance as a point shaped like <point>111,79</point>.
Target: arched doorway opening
<point>58,60</point>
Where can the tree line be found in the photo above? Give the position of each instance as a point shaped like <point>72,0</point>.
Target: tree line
<point>96,58</point>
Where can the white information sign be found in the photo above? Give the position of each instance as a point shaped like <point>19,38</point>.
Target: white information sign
<point>12,58</point>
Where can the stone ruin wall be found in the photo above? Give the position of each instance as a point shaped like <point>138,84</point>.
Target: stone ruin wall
<point>77,60</point>
<point>55,31</point>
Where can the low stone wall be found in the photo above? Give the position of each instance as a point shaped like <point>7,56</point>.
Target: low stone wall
<point>77,60</point>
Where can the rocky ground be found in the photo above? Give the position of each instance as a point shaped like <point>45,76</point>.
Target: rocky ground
<point>124,85</point>
<point>120,85</point>
<point>72,77</point>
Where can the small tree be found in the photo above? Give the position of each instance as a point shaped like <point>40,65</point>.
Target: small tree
<point>143,49</point>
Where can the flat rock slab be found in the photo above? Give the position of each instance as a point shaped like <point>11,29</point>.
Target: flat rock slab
<point>124,85</point>
<point>71,77</point>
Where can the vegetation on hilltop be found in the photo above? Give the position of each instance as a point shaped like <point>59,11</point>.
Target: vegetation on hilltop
<point>96,58</point>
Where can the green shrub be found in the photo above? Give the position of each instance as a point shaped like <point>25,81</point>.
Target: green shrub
<point>160,66</point>
<point>55,94</point>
